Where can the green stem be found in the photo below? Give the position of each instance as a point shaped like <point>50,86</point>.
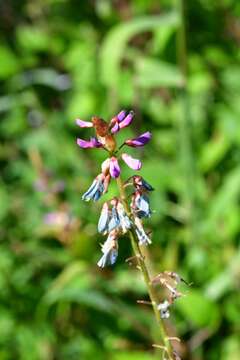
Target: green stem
<point>164,338</point>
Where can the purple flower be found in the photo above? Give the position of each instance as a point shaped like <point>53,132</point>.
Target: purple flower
<point>114,167</point>
<point>121,115</point>
<point>92,143</point>
<point>84,124</point>
<point>97,189</point>
<point>131,162</point>
<point>127,120</point>
<point>141,140</point>
<point>121,121</point>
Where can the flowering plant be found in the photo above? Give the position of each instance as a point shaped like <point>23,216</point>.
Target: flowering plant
<point>119,217</point>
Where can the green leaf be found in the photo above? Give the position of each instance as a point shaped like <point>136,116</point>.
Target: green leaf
<point>9,63</point>
<point>199,310</point>
<point>155,73</point>
<point>114,46</point>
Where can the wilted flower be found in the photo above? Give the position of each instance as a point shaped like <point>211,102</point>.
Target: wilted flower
<point>97,189</point>
<point>113,218</point>
<point>141,184</point>
<point>104,219</point>
<point>140,205</point>
<point>164,309</point>
<point>125,222</point>
<point>110,250</point>
<point>143,239</point>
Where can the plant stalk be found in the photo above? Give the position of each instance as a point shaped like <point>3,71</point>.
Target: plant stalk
<point>164,338</point>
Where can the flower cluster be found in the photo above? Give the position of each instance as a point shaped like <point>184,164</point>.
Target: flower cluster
<point>115,219</point>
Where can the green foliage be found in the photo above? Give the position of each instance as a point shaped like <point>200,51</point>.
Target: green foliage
<point>65,59</point>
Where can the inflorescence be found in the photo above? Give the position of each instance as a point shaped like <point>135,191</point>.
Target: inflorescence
<point>115,220</point>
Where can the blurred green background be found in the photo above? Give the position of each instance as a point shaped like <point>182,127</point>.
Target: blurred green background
<point>65,59</point>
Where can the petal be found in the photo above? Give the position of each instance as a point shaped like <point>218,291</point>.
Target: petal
<point>92,143</point>
<point>115,128</point>
<point>134,164</point>
<point>106,183</point>
<point>105,166</point>
<point>108,258</point>
<point>121,115</point>
<point>103,219</point>
<point>88,195</point>
<point>96,189</point>
<point>114,221</point>
<point>140,140</point>
<point>84,124</point>
<point>114,167</point>
<point>127,121</point>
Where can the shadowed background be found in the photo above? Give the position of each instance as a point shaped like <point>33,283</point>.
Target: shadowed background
<point>65,59</point>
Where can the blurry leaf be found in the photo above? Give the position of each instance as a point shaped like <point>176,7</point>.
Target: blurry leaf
<point>224,281</point>
<point>161,38</point>
<point>231,78</point>
<point>213,151</point>
<point>126,355</point>
<point>4,203</point>
<point>33,38</point>
<point>47,77</point>
<point>226,195</point>
<point>9,63</point>
<point>199,310</point>
<point>82,103</point>
<point>155,73</point>
<point>115,43</point>
<point>231,348</point>
<point>6,325</point>
<point>74,285</point>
